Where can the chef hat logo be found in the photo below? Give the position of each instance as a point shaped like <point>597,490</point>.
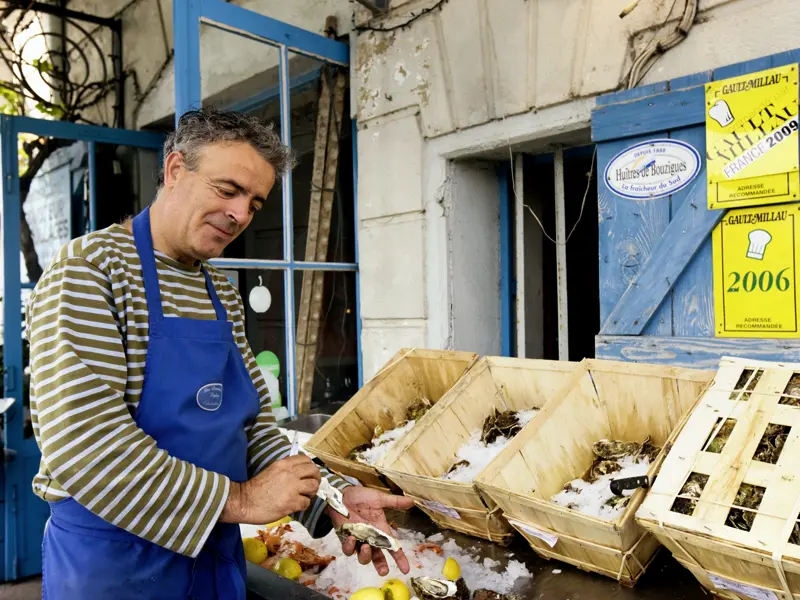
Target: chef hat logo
<point>758,243</point>
<point>721,113</point>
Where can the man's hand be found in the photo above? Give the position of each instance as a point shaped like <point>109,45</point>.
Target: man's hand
<point>287,486</point>
<point>366,506</point>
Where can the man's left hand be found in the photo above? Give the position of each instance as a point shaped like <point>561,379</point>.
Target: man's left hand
<point>366,506</point>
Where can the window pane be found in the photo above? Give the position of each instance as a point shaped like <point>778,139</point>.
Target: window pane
<point>327,355</point>
<point>322,183</point>
<point>241,74</point>
<point>126,181</point>
<point>326,339</point>
<point>265,329</point>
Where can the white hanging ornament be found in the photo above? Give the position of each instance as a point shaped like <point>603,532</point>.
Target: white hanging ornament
<point>260,298</point>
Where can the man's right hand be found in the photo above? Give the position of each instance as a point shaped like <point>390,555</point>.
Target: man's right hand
<point>287,486</point>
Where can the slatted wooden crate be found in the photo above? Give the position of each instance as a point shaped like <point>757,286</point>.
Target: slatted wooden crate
<point>604,400</point>
<point>384,401</point>
<point>431,449</point>
<point>731,561</point>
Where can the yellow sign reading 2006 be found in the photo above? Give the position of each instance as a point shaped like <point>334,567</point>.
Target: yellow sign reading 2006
<point>755,265</point>
<point>751,139</point>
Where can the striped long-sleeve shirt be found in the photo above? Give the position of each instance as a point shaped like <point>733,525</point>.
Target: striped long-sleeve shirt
<point>87,323</point>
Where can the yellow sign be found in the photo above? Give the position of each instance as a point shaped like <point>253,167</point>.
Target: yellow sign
<point>756,253</point>
<point>751,139</point>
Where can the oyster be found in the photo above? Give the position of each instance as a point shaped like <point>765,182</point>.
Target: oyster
<point>748,497</point>
<point>618,501</point>
<point>498,424</point>
<point>332,497</point>
<point>694,488</point>
<point>459,464</point>
<point>490,595</point>
<point>418,408</point>
<point>792,389</point>
<point>602,467</point>
<point>771,444</point>
<point>355,453</point>
<point>609,450</point>
<point>650,450</point>
<point>795,537</point>
<point>427,588</point>
<point>747,382</point>
<point>368,534</point>
<point>719,441</point>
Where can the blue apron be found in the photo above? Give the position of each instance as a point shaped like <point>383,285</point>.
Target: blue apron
<point>197,400</point>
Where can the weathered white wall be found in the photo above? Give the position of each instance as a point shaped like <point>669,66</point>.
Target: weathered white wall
<point>472,61</point>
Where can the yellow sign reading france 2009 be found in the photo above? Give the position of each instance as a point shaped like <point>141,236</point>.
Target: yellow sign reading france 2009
<point>751,139</point>
<point>755,267</point>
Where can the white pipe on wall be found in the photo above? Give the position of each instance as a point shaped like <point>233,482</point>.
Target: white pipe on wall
<point>561,255</point>
<point>519,253</point>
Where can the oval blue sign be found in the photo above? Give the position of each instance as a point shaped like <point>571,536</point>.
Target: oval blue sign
<point>652,169</point>
<point>209,397</point>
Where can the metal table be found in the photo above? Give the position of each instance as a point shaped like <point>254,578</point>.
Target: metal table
<point>664,580</point>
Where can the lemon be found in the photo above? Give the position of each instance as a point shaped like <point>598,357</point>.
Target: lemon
<point>254,550</point>
<point>451,570</point>
<point>368,593</point>
<point>394,589</point>
<point>282,521</point>
<point>288,568</point>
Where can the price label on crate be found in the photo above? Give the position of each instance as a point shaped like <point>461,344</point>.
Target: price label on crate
<point>441,509</point>
<point>756,252</point>
<point>756,593</point>
<point>550,539</point>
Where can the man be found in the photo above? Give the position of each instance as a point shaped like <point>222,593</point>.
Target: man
<point>153,419</point>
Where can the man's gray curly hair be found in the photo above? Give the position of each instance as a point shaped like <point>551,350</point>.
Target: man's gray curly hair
<point>199,128</point>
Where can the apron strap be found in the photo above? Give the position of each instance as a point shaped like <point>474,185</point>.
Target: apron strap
<point>222,315</point>
<point>143,239</point>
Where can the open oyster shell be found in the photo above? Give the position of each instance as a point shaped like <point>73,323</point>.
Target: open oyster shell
<point>427,588</point>
<point>368,534</point>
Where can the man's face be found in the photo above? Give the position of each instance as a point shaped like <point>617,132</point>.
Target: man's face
<point>206,209</point>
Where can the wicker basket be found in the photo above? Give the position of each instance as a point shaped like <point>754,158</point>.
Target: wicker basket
<point>733,562</point>
<point>384,401</point>
<point>604,399</point>
<point>493,383</point>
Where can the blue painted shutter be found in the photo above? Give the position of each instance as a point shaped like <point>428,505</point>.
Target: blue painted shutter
<point>656,270</point>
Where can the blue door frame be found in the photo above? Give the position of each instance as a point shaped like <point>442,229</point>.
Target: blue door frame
<point>24,514</point>
<point>188,16</point>
<point>507,279</point>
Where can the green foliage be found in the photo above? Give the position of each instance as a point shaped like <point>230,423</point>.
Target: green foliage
<point>42,65</point>
<point>13,100</point>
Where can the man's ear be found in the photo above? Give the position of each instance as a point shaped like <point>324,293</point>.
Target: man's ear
<point>173,167</point>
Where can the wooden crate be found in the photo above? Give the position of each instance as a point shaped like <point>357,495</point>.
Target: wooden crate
<point>384,401</point>
<point>493,383</point>
<point>604,399</point>
<point>733,563</point>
